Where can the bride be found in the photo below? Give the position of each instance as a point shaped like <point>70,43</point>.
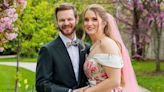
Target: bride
<point>108,65</point>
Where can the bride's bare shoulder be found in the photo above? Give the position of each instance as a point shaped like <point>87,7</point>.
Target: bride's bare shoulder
<point>108,45</point>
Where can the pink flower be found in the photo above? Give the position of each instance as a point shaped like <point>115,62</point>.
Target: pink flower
<point>1,28</point>
<point>6,23</point>
<point>94,69</point>
<point>11,13</point>
<point>103,75</point>
<point>6,20</point>
<point>140,7</point>
<point>1,49</point>
<point>89,63</point>
<point>8,17</point>
<point>15,17</point>
<point>23,2</point>
<point>4,40</point>
<point>11,36</point>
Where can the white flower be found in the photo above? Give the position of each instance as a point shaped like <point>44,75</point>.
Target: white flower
<point>1,49</point>
<point>11,36</point>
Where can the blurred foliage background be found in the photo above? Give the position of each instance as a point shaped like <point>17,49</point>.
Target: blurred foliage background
<point>38,25</point>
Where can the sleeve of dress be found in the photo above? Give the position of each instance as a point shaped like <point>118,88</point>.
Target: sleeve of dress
<point>110,60</point>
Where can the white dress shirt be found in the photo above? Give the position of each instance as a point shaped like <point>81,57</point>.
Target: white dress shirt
<point>73,52</point>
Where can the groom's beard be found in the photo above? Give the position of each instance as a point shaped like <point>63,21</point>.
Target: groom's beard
<point>67,34</point>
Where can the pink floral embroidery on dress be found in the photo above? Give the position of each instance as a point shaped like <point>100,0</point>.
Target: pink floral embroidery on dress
<point>95,72</point>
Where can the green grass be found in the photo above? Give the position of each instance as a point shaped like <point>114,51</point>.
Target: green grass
<point>144,70</point>
<point>147,77</point>
<point>13,59</point>
<point>8,76</point>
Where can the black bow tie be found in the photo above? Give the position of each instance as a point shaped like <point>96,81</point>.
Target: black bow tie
<point>73,43</point>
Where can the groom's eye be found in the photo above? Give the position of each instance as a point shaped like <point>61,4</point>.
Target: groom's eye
<point>61,20</point>
<point>70,19</point>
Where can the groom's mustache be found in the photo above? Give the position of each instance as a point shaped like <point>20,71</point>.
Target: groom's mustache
<point>66,26</point>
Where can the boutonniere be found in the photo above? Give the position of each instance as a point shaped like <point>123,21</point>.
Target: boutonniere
<point>82,46</point>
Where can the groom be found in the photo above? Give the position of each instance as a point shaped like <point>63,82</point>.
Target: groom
<point>60,62</point>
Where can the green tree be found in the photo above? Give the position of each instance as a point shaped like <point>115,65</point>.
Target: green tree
<point>38,24</point>
<point>37,27</point>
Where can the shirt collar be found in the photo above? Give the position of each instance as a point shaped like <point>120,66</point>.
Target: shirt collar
<point>66,39</point>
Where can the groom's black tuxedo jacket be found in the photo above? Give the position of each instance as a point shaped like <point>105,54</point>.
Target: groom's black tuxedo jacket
<point>54,72</point>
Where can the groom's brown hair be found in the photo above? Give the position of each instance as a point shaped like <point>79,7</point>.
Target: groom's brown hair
<point>65,6</point>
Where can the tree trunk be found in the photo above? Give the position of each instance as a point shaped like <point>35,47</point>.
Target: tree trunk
<point>136,50</point>
<point>134,47</point>
<point>17,67</point>
<point>158,69</point>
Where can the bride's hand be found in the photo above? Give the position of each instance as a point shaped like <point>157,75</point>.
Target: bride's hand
<point>87,90</point>
<point>81,89</point>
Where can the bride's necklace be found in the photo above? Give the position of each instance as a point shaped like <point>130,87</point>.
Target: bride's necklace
<point>95,44</point>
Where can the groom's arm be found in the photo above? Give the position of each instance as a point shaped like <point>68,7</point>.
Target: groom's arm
<point>44,73</point>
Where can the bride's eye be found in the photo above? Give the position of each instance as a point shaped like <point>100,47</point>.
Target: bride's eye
<point>86,19</point>
<point>94,19</point>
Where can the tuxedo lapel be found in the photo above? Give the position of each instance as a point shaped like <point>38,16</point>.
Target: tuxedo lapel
<point>81,59</point>
<point>62,50</point>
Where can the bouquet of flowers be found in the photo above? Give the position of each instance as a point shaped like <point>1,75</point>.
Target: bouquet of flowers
<point>9,12</point>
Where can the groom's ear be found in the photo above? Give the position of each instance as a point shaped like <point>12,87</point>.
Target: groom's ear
<point>77,20</point>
